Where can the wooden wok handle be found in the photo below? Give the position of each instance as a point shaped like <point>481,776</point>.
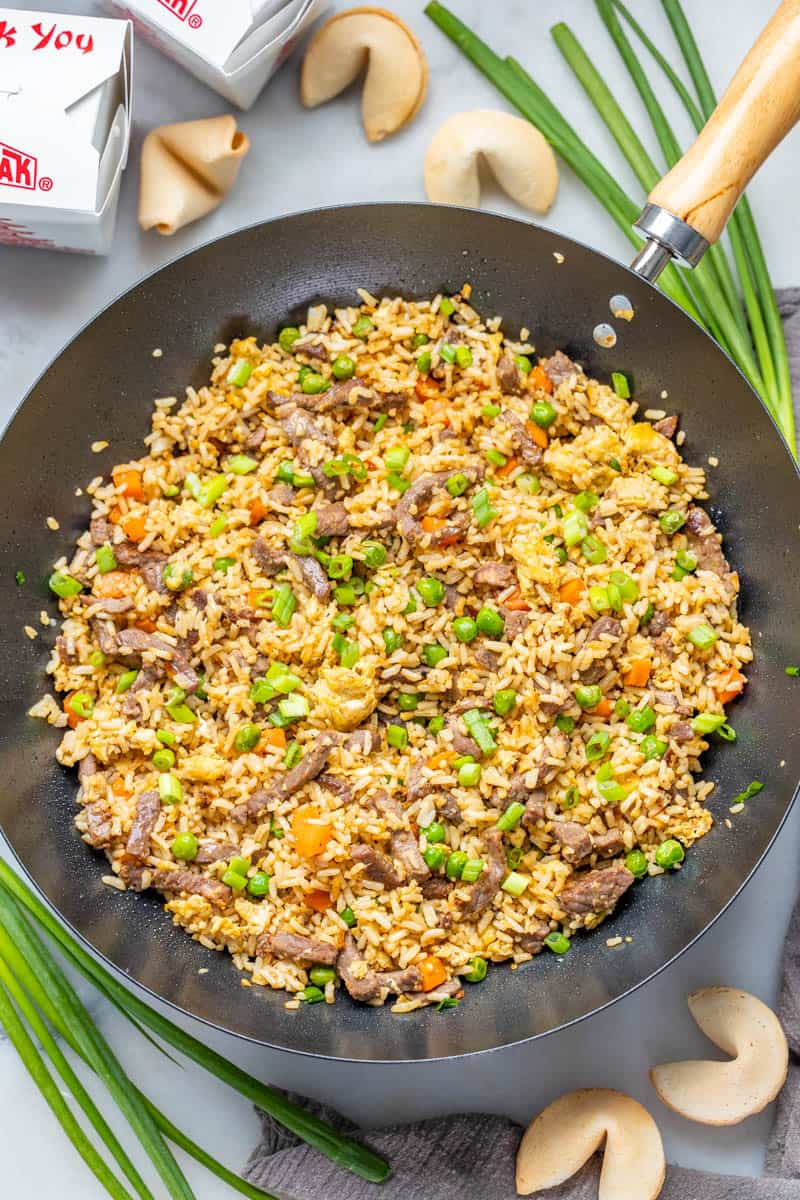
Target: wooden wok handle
<point>760,106</point>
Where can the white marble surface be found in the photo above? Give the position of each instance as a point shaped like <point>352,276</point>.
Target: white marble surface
<point>301,160</point>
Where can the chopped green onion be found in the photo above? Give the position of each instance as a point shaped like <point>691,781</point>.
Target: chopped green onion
<point>620,384</point>
<point>670,522</point>
<point>432,654</point>
<point>345,594</point>
<point>407,701</point>
<point>504,701</point>
<point>455,864</point>
<point>258,884</point>
<point>496,458</point>
<point>396,458</point>
<point>436,725</point>
<point>81,704</point>
<point>340,566</point>
<point>247,738</point>
<point>669,854</point>
<point>557,942</point>
<point>294,752</point>
<point>664,475</point>
<point>224,564</point>
<point>217,526</point>
<point>398,483</point>
<point>490,411</point>
<point>283,605</point>
<point>490,622</point>
<point>597,745</point>
<point>585,501</point>
<point>479,730</point>
<point>570,798</point>
<point>611,792</point>
<point>628,587</point>
<point>97,659</point>
<point>543,414</point>
<point>598,599</point>
<point>482,508</point>
<point>424,362</point>
<point>342,622</point>
<point>210,492</point>
<point>647,616</point>
<point>463,356</point>
<point>469,774</point>
<point>706,722</point>
<point>380,421</point>
<point>164,759</point>
<point>234,880</point>
<point>239,373</point>
<point>593,550</point>
<point>126,681</point>
<point>447,351</point>
<point>419,339</point>
<point>575,527</point>
<point>702,636</point>
<point>242,464</point>
<point>19,578</point>
<point>397,736</point>
<point>293,707</point>
<point>751,790</point>
<point>528,482</point>
<point>515,884</point>
<point>166,737</point>
<point>105,559</point>
<point>472,870</point>
<point>447,307</point>
<point>64,585</point>
<point>169,788</point>
<point>511,817</point>
<point>348,916</point>
<point>793,672</point>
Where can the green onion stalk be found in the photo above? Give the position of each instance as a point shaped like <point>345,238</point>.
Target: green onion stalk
<point>31,979</point>
<point>708,294</point>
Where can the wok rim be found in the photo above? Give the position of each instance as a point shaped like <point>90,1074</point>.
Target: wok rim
<point>218,1027</point>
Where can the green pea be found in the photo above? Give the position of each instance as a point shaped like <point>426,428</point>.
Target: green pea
<point>287,338</point>
<point>362,328</point>
<point>465,629</point>
<point>185,847</point>
<point>314,384</point>
<point>344,367</point>
<point>636,862</point>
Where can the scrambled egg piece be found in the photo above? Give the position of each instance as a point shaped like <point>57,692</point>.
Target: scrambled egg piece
<point>347,697</point>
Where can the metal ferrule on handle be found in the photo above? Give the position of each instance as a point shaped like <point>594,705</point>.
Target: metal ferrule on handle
<point>667,237</point>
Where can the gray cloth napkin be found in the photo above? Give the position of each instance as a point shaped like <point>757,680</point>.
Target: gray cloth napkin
<point>473,1155</point>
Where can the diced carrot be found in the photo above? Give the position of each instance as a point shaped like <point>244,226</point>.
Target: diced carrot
<point>275,738</point>
<point>114,516</point>
<point>426,389</point>
<point>510,466</point>
<point>731,684</point>
<point>433,524</point>
<point>516,602</point>
<point>311,835</point>
<point>135,527</point>
<point>319,901</point>
<point>432,971</point>
<point>603,709</point>
<point>258,511</point>
<point>118,787</point>
<point>147,625</point>
<point>260,599</point>
<point>114,585</point>
<point>540,379</point>
<point>571,591</point>
<point>72,717</point>
<point>538,434</point>
<point>442,759</point>
<point>128,481</point>
<point>638,673</point>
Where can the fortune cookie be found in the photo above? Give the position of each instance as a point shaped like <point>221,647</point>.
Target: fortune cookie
<point>187,170</point>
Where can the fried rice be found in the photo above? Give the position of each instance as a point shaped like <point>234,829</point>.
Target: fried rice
<point>395,654</point>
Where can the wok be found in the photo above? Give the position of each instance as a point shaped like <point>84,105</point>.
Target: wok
<point>102,386</point>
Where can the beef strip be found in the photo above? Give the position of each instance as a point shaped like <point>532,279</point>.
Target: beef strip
<point>179,881</point>
<point>406,851</point>
<point>360,981</point>
<point>487,659</point>
<point>657,624</point>
<point>667,426</point>
<point>272,562</point>
<point>148,810</point>
<point>148,675</point>
<point>211,852</point>
<point>310,349</point>
<point>132,707</point>
<point>314,577</point>
<point>400,982</point>
<point>449,808</point>
<point>484,891</point>
<point>305,951</point>
<point>101,531</point>
<point>360,741</point>
<point>534,808</point>
<point>559,367</point>
<point>574,840</point>
<point>608,631</point>
<point>509,376</point>
<point>98,824</point>
<point>595,891</point>
<point>336,784</point>
<point>111,606</point>
<point>516,622</point>
<point>377,865</point>
<point>437,888</point>
<point>526,447</point>
<point>532,941</point>
<point>106,633</point>
<point>300,427</point>
<point>348,393</point>
<point>135,642</point>
<point>494,575</point>
<point>608,844</point>
<point>706,543</point>
<point>87,767</point>
<point>417,783</point>
<point>333,520</point>
<point>311,764</point>
<point>419,495</point>
<point>255,438</point>
<point>199,598</point>
<point>681,731</point>
<point>149,564</point>
<point>66,650</point>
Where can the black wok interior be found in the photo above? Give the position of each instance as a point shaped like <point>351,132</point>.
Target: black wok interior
<point>103,386</point>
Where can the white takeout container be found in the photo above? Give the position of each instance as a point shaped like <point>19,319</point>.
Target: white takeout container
<point>234,46</point>
<point>65,115</point>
